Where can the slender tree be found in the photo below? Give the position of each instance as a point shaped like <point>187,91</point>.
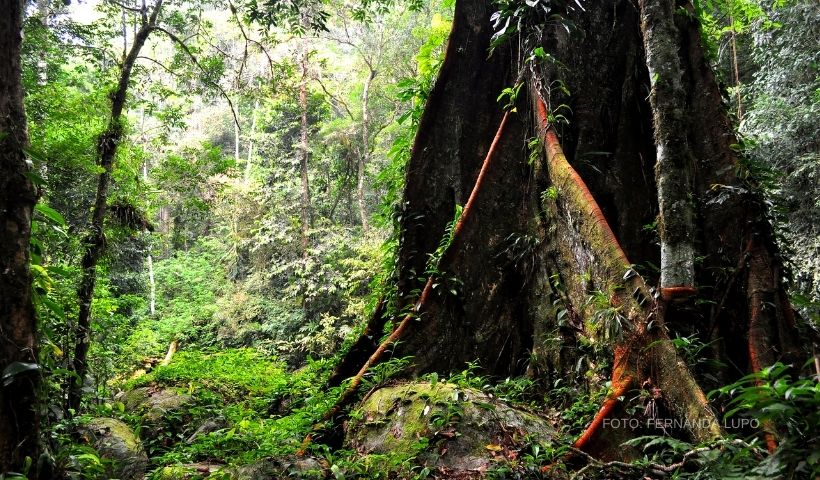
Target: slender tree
<point>107,145</point>
<point>304,149</point>
<point>673,168</point>
<point>18,344</point>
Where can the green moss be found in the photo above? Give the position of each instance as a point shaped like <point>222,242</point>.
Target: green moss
<point>442,424</point>
<point>119,430</point>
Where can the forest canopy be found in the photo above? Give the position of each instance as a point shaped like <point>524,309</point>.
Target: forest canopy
<point>427,239</point>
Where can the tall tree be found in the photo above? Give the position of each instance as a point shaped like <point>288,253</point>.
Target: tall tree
<point>304,148</point>
<point>107,145</point>
<point>18,345</point>
<point>554,247</point>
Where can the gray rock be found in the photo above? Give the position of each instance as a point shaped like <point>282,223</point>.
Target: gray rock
<point>444,426</point>
<point>277,468</point>
<point>209,426</point>
<point>115,441</point>
<point>161,409</point>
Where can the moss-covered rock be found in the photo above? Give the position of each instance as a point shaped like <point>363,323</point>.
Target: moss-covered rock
<point>115,442</point>
<point>444,426</point>
<point>161,408</point>
<point>189,471</point>
<point>276,468</point>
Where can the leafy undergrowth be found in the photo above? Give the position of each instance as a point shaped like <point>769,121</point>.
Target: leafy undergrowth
<point>265,411</point>
<point>262,409</point>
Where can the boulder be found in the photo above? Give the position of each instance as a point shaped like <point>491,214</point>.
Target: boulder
<point>461,431</point>
<point>188,471</point>
<point>161,408</point>
<point>209,426</point>
<point>277,468</point>
<point>115,442</point>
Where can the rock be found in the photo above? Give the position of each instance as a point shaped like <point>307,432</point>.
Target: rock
<point>209,426</point>
<point>277,468</point>
<point>188,471</point>
<point>161,409</point>
<point>115,441</point>
<point>133,399</point>
<point>460,431</point>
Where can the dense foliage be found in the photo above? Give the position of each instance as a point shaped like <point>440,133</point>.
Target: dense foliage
<point>206,289</point>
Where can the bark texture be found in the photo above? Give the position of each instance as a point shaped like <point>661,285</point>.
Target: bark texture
<point>485,319</point>
<point>673,169</point>
<point>556,256</point>
<point>95,241</point>
<point>18,407</point>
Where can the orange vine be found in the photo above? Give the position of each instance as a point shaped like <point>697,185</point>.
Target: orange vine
<point>348,394</point>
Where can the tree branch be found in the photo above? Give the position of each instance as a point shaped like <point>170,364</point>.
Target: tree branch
<point>335,98</point>
<point>125,7</point>
<point>193,58</point>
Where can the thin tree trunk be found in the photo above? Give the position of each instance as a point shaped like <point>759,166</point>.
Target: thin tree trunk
<point>95,241</point>
<point>42,64</point>
<point>365,153</point>
<point>152,284</point>
<point>735,69</point>
<point>18,328</point>
<point>673,170</point>
<point>248,164</point>
<point>303,147</point>
<point>236,140</point>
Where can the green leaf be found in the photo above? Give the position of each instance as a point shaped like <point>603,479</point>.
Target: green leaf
<point>16,369</point>
<point>50,214</point>
<point>53,307</point>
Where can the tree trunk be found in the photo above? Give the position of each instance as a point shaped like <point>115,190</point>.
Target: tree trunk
<point>18,346</point>
<point>95,241</point>
<point>236,139</point>
<point>248,164</point>
<point>304,152</point>
<point>364,157</point>
<point>43,10</point>
<point>673,170</point>
<point>152,286</point>
<point>553,250</point>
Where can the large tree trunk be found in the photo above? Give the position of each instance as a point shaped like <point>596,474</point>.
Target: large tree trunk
<point>481,321</point>
<point>564,234</point>
<point>18,346</point>
<point>673,168</point>
<point>107,145</point>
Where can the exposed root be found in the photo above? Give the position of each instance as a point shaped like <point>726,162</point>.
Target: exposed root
<point>554,154</point>
<point>759,355</point>
<point>352,389</point>
<point>675,294</point>
<point>605,411</point>
<point>479,181</point>
<point>632,297</point>
<point>621,383</point>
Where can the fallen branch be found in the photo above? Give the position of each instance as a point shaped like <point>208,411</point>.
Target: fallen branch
<point>172,349</point>
<point>658,469</point>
